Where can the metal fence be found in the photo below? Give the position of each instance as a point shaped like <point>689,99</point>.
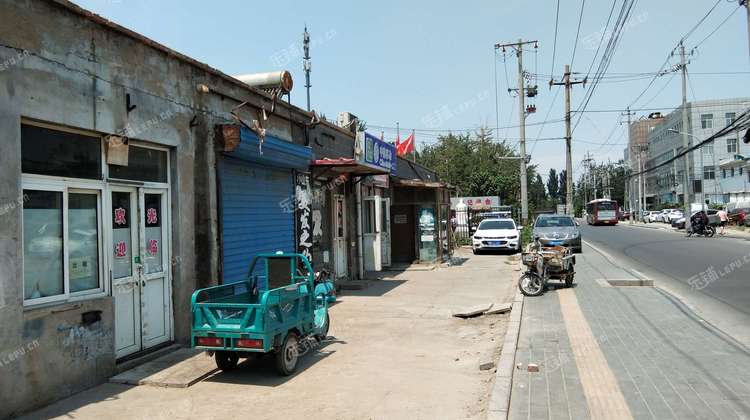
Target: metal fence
<point>465,222</point>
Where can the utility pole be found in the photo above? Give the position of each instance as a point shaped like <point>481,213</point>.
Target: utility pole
<point>522,123</point>
<point>587,163</point>
<point>306,64</point>
<point>747,6</point>
<point>685,138</point>
<point>629,183</point>
<point>568,138</point>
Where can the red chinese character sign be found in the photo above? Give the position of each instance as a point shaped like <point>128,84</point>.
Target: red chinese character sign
<point>153,246</point>
<point>119,218</point>
<point>151,216</point>
<point>121,249</point>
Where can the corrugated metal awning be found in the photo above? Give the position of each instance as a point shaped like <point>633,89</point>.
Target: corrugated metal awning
<point>348,166</point>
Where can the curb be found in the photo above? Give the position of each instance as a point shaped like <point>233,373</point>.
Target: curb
<point>499,406</point>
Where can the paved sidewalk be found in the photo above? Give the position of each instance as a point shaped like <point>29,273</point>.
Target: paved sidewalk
<point>395,352</point>
<point>666,363</point>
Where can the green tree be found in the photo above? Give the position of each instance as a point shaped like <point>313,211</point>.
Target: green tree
<point>475,164</point>
<point>553,186</point>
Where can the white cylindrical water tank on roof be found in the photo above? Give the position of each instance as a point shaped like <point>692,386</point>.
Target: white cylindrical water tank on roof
<point>270,80</point>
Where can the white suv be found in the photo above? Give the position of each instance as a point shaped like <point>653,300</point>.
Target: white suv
<point>496,234</point>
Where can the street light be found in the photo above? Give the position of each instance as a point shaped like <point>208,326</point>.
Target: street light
<point>702,173</point>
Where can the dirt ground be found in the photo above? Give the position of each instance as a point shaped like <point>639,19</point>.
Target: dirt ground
<point>394,351</point>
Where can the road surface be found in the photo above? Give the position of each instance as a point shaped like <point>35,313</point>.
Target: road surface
<point>711,275</point>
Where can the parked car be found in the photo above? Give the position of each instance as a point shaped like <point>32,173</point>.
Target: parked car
<point>673,215</point>
<point>557,229</point>
<point>663,215</point>
<point>496,234</point>
<point>713,219</point>
<point>651,216</point>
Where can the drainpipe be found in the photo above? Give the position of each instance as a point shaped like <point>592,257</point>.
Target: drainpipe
<point>360,258</point>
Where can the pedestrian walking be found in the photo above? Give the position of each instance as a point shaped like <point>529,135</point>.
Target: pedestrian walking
<point>723,219</point>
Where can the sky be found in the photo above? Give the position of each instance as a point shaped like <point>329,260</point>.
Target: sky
<point>431,66</point>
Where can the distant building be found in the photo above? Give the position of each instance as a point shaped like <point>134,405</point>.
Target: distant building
<point>638,148</point>
<point>723,177</point>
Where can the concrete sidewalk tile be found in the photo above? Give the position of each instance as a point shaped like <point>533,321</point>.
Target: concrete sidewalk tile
<point>667,348</point>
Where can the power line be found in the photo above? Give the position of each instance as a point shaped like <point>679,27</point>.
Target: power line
<point>578,32</point>
<point>718,27</point>
<point>690,32</point>
<point>741,123</point>
<point>554,45</point>
<point>599,46</point>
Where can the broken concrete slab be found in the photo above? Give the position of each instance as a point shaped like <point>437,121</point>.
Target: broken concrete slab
<point>486,365</point>
<point>473,311</point>
<point>179,369</point>
<point>499,309</point>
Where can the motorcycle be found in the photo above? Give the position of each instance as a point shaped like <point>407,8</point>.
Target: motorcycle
<point>544,263</point>
<point>701,230</point>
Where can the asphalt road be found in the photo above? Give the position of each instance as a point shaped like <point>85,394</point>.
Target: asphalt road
<point>710,274</point>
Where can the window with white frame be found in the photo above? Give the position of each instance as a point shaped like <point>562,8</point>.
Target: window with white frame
<point>709,172</point>
<point>708,149</point>
<point>730,117</point>
<point>62,215</point>
<point>707,121</point>
<point>731,145</point>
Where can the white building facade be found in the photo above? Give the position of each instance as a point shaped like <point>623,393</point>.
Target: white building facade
<point>718,172</point>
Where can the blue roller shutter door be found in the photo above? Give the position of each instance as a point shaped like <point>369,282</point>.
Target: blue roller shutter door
<point>254,220</point>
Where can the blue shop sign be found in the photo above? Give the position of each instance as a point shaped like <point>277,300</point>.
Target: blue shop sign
<point>379,153</point>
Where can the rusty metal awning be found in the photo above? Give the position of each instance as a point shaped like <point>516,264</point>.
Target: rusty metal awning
<point>348,166</point>
<point>418,183</point>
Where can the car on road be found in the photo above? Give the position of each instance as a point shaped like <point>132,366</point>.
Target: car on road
<point>557,229</point>
<point>496,234</point>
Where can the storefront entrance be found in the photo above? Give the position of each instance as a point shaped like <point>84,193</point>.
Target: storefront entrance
<point>339,236</point>
<point>402,228</point>
<point>140,267</point>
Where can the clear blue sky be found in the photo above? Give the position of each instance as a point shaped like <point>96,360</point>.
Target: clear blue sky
<point>430,64</point>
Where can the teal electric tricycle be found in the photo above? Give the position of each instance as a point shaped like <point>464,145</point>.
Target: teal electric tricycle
<point>280,306</point>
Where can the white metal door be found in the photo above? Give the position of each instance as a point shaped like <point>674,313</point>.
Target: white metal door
<point>339,236</point>
<point>154,267</point>
<point>140,268</point>
<point>372,227</point>
<point>385,234</point>
<point>124,254</point>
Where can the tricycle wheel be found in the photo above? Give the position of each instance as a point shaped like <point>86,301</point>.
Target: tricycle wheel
<point>324,330</point>
<point>569,281</point>
<point>287,355</point>
<point>226,360</point>
<point>531,284</point>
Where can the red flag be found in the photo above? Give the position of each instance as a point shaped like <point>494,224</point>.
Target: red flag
<point>405,147</point>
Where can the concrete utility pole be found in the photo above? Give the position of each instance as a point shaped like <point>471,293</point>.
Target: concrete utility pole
<point>522,123</point>
<point>568,138</point>
<point>587,164</point>
<point>629,183</point>
<point>747,5</point>
<point>685,138</point>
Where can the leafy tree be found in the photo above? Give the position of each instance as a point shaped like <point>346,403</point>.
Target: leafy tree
<point>562,190</point>
<point>475,164</point>
<point>553,187</point>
